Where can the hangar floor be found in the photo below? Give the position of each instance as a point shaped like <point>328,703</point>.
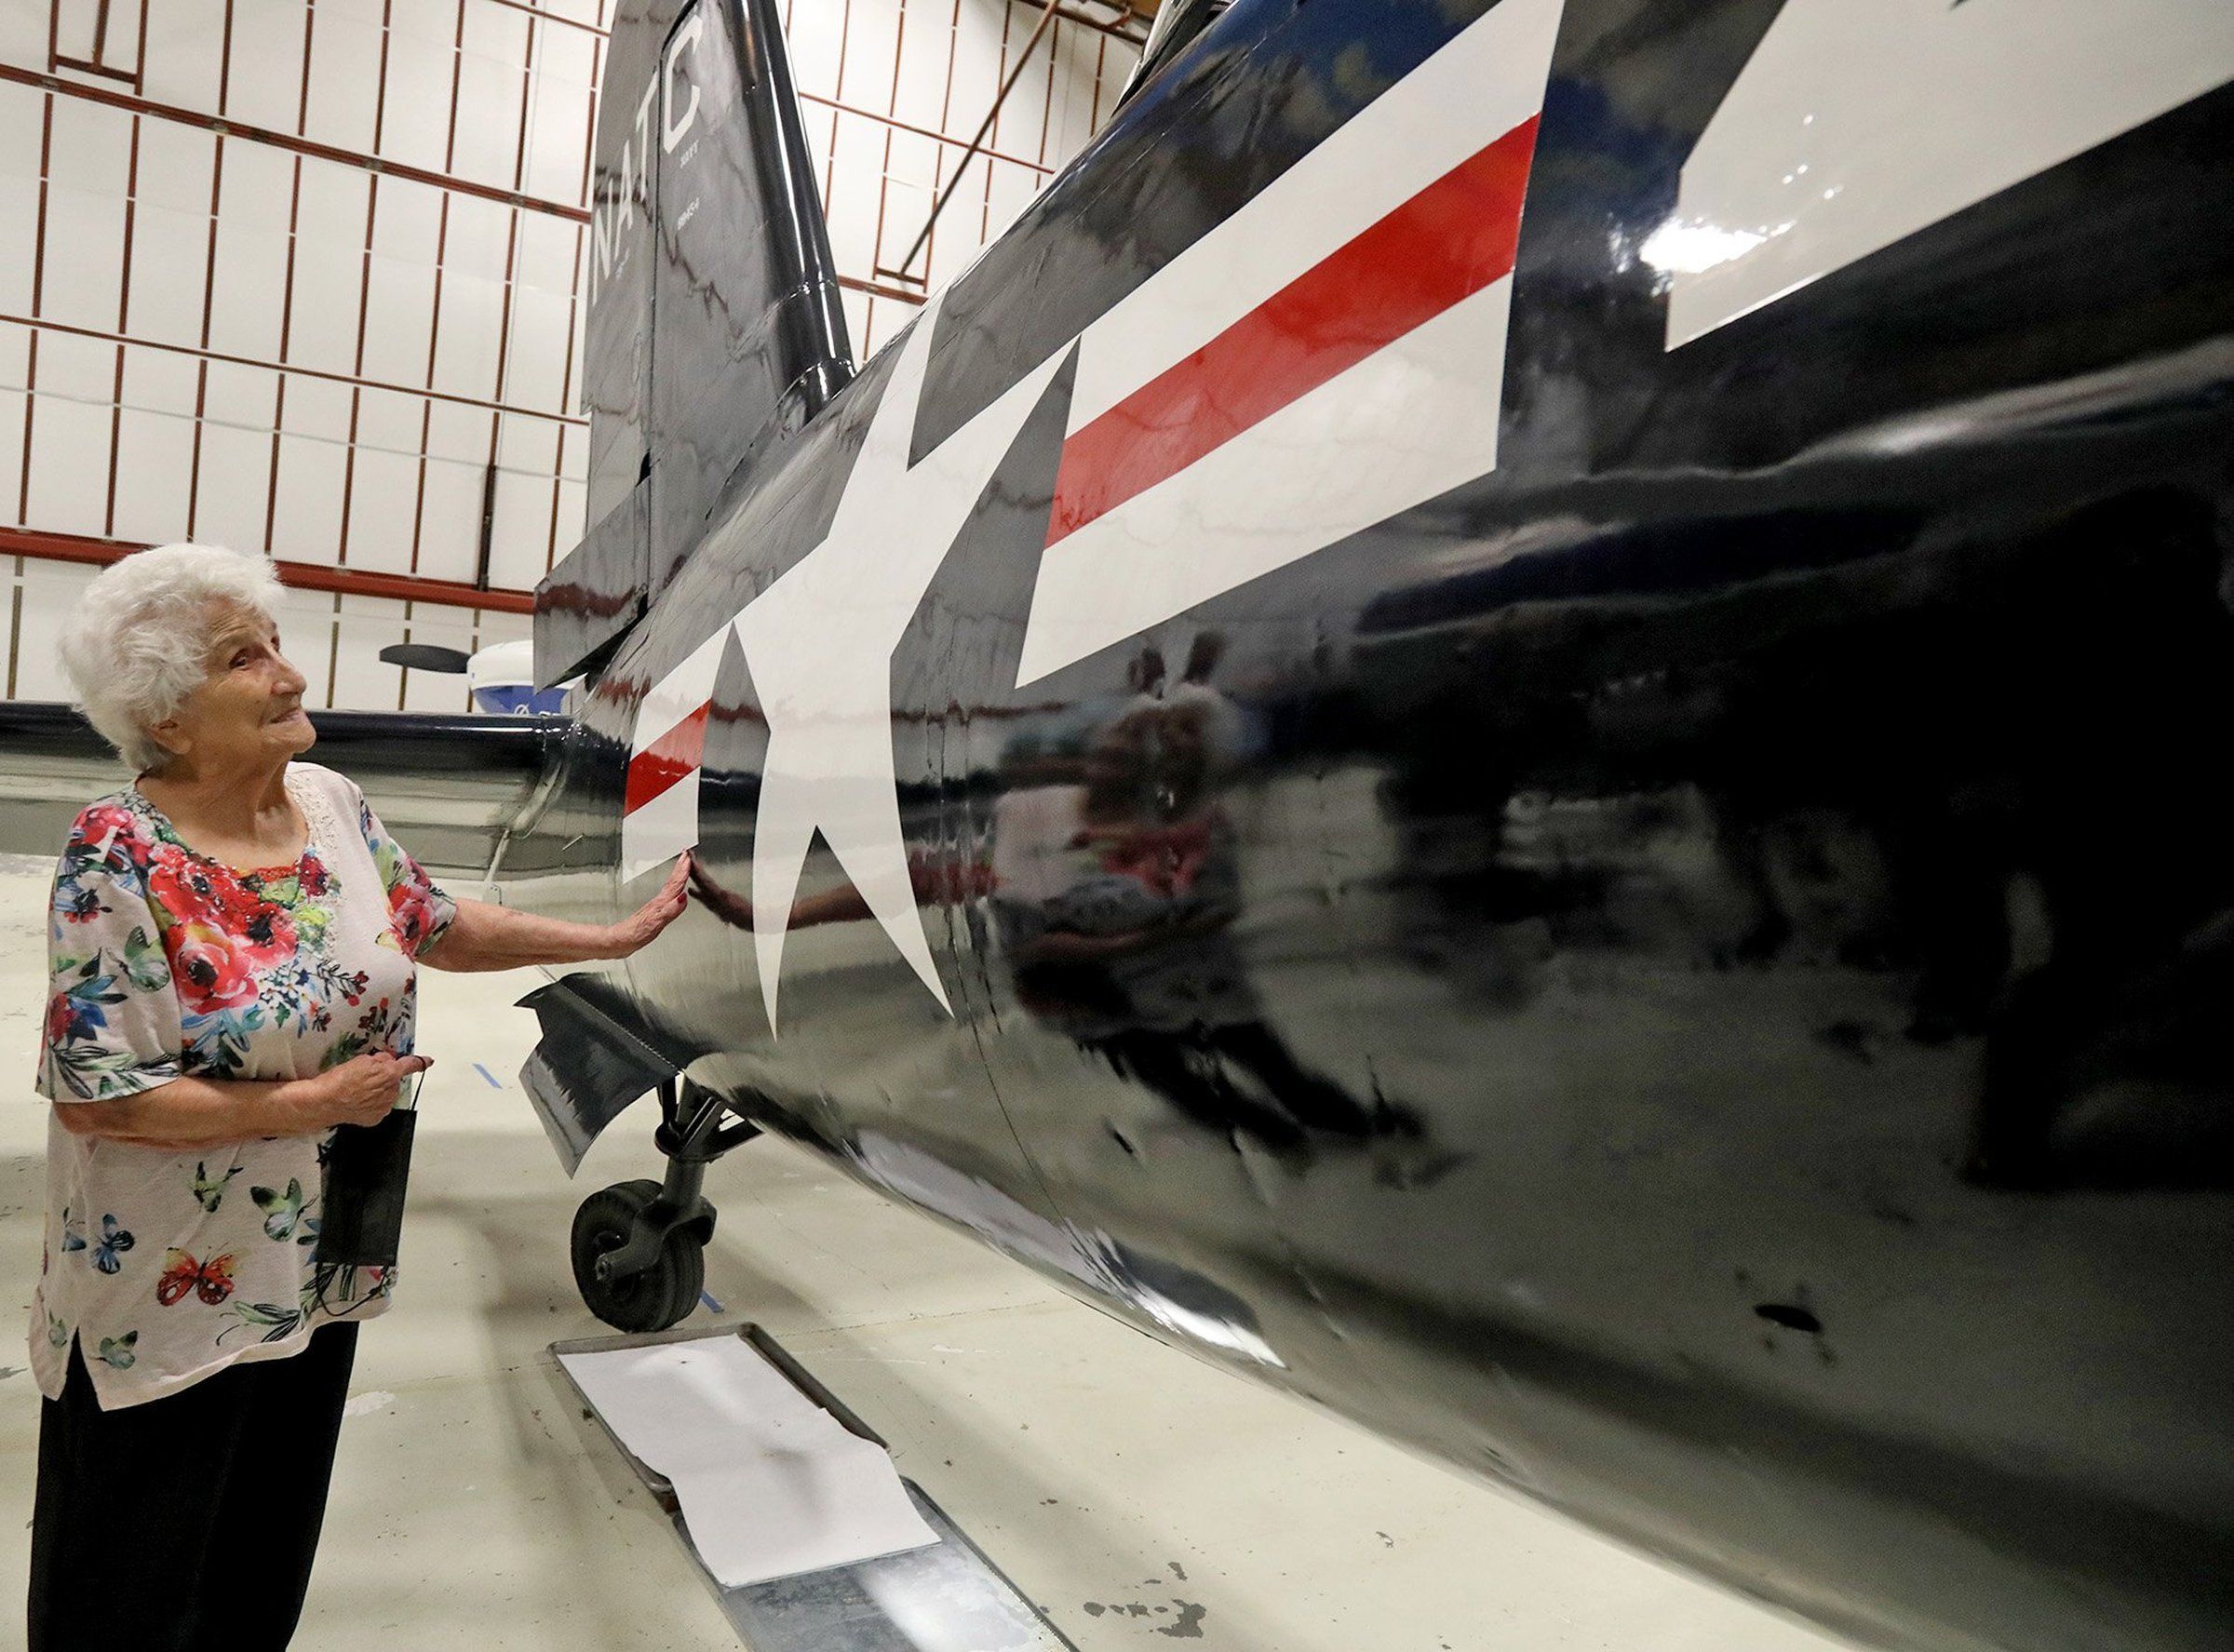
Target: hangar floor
<point>1138,1497</point>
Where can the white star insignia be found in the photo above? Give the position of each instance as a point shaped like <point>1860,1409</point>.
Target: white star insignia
<point>820,641</point>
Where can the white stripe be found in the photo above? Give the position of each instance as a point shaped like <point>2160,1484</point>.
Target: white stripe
<point>661,829</point>
<point>1408,422</point>
<point>1478,87</point>
<point>675,696</point>
<point>1856,123</point>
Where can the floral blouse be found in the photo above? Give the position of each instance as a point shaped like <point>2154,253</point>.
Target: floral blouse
<point>166,1265</point>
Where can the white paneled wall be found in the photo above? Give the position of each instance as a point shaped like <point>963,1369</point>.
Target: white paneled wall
<point>335,639</point>
<point>893,90</point>
<point>302,276</point>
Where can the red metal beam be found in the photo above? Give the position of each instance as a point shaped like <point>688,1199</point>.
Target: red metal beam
<point>1115,30</point>
<point>946,138</point>
<point>985,131</point>
<point>552,16</point>
<point>302,576</point>
<point>36,326</point>
<point>906,295</point>
<point>99,69</point>
<point>287,140</point>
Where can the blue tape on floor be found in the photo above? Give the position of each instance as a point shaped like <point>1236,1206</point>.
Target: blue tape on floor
<point>707,1297</point>
<point>494,1082</point>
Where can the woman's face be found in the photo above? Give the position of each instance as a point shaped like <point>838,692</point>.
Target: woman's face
<point>248,710</point>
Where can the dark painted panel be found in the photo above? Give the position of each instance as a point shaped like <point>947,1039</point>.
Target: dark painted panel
<point>587,603</point>
<point>1680,976</point>
<point>715,330</point>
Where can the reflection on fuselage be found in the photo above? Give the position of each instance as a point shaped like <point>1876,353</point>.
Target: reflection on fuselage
<point>1681,974</point>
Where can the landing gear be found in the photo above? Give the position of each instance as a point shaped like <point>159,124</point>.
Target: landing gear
<point>648,1299</point>
<point>639,1246</point>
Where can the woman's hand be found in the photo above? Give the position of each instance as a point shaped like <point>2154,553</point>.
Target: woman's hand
<point>486,936</point>
<point>640,928</point>
<point>363,1091</point>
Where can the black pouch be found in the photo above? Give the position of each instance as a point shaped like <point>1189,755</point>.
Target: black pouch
<point>368,1166</point>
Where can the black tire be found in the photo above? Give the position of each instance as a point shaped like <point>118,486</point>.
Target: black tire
<point>661,1295</point>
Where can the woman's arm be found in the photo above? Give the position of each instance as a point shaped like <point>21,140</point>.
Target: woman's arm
<point>191,1112</point>
<point>188,1112</point>
<point>483,936</point>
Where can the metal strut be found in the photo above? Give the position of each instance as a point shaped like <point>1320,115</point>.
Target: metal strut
<point>983,131</point>
<point>692,1136</point>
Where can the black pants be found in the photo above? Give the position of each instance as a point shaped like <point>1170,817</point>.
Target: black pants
<point>190,1523</point>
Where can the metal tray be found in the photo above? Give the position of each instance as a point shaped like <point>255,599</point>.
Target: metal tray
<point>948,1597</point>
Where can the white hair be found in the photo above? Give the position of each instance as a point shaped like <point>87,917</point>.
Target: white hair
<point>139,642</point>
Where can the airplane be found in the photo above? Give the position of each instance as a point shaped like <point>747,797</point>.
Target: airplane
<point>500,678</point>
<point>1507,723</point>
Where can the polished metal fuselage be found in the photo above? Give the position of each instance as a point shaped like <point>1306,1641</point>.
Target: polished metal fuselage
<point>1685,975</point>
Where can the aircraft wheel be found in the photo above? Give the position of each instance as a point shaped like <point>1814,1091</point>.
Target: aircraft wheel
<point>660,1295</point>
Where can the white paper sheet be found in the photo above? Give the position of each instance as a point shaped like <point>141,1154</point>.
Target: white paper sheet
<point>770,1483</point>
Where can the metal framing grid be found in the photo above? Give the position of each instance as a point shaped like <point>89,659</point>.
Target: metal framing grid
<point>1021,135</point>
<point>409,164</point>
<point>95,80</point>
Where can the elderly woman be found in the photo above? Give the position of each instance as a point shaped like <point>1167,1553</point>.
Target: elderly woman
<point>233,946</point>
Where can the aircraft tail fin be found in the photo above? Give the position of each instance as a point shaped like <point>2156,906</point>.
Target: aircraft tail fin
<point>715,330</point>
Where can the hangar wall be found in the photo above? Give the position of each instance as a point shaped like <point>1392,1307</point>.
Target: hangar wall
<point>301,275</point>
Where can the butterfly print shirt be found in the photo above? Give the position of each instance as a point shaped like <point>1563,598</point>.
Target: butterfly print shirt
<point>164,1264</point>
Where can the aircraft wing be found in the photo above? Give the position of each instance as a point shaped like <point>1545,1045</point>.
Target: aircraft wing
<point>447,785</point>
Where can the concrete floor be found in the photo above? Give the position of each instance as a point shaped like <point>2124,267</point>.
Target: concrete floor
<point>1136,1495</point>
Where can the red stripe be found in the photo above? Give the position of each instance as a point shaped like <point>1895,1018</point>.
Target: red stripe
<point>668,759</point>
<point>1447,242</point>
